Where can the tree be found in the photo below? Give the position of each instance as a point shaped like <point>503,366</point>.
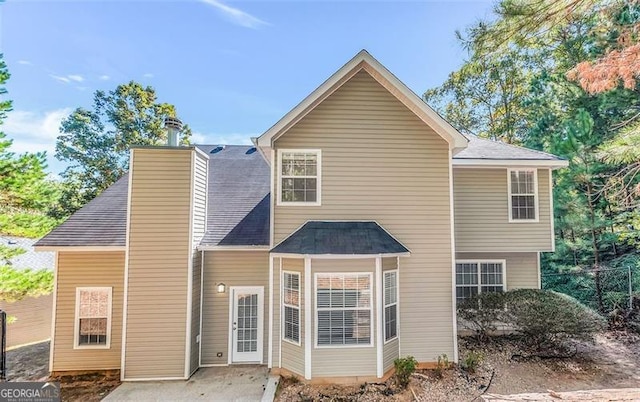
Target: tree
<point>96,142</point>
<point>25,191</point>
<point>555,113</point>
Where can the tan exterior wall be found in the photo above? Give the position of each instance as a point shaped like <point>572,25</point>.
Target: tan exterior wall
<point>344,360</point>
<point>33,320</point>
<point>481,201</point>
<point>87,269</point>
<point>233,268</point>
<point>522,268</point>
<point>380,162</point>
<point>293,355</point>
<point>158,266</point>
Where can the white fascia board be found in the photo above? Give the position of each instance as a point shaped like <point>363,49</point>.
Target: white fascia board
<point>339,256</point>
<point>80,248</point>
<point>363,60</point>
<point>512,163</point>
<point>232,248</point>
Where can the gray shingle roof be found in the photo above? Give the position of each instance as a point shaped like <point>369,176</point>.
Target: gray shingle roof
<point>481,148</point>
<point>31,259</point>
<point>238,197</point>
<point>352,238</point>
<point>102,222</point>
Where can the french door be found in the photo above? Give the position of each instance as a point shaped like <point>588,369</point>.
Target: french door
<point>246,326</point>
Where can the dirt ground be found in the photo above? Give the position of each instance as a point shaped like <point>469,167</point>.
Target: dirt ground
<point>613,361</point>
<point>31,363</point>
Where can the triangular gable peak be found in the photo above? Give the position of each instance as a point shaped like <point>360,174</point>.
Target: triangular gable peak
<point>364,61</point>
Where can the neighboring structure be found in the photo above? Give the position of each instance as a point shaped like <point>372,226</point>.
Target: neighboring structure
<point>32,314</point>
<point>338,243</point>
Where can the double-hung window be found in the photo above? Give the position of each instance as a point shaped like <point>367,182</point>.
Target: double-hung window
<point>291,302</point>
<point>390,305</point>
<point>93,317</point>
<point>343,309</point>
<point>473,277</point>
<point>299,172</point>
<point>523,195</point>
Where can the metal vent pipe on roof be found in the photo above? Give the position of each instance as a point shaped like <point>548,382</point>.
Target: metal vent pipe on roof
<point>174,127</point>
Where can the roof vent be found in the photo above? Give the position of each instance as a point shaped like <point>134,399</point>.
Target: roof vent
<point>250,151</point>
<point>217,149</point>
<point>173,126</point>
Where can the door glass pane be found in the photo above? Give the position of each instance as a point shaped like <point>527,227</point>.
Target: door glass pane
<point>247,327</point>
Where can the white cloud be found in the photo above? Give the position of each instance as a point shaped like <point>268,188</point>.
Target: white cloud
<point>221,138</point>
<point>60,78</point>
<point>236,15</point>
<point>67,78</point>
<point>147,75</point>
<point>25,62</point>
<point>75,77</point>
<point>104,77</point>
<point>35,132</point>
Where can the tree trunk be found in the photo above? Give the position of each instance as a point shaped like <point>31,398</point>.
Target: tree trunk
<point>596,252</point>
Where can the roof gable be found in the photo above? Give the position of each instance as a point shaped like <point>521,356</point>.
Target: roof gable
<point>364,61</point>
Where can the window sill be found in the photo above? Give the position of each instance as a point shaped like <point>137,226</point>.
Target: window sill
<point>80,347</point>
<point>343,346</point>
<point>395,338</point>
<point>298,204</point>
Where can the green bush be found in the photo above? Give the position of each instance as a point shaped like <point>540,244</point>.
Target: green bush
<point>442,365</point>
<point>17,284</point>
<point>472,361</point>
<point>546,318</point>
<point>481,313</point>
<point>405,366</point>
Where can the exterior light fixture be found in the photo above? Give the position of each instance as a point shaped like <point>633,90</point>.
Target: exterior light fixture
<point>221,287</point>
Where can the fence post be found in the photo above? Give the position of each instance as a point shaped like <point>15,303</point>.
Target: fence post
<point>3,345</point>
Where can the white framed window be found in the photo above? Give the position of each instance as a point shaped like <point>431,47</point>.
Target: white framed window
<point>291,306</point>
<point>343,310</point>
<point>390,305</point>
<point>93,318</point>
<point>299,176</point>
<point>473,277</point>
<point>523,195</point>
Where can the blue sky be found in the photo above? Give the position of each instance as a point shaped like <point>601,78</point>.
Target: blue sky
<point>232,68</point>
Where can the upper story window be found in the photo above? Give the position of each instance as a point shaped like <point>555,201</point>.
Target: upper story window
<point>93,317</point>
<point>299,177</point>
<point>523,195</point>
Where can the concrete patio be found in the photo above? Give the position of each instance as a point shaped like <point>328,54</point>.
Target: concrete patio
<point>233,383</point>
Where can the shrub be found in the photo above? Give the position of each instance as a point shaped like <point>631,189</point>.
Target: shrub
<point>442,365</point>
<point>546,318</point>
<point>482,312</point>
<point>405,366</point>
<point>472,361</point>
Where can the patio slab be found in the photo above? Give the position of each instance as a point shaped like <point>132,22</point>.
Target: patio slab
<point>233,383</point>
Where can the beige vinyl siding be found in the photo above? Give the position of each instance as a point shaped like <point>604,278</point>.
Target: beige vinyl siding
<point>200,172</point>
<point>87,269</point>
<point>391,353</point>
<point>33,320</point>
<point>158,266</point>
<point>233,268</point>
<point>522,268</point>
<point>380,162</point>
<point>195,312</point>
<point>344,360</point>
<point>293,355</point>
<point>481,199</point>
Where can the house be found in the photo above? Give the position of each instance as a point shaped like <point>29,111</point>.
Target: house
<point>337,243</point>
<point>31,316</point>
